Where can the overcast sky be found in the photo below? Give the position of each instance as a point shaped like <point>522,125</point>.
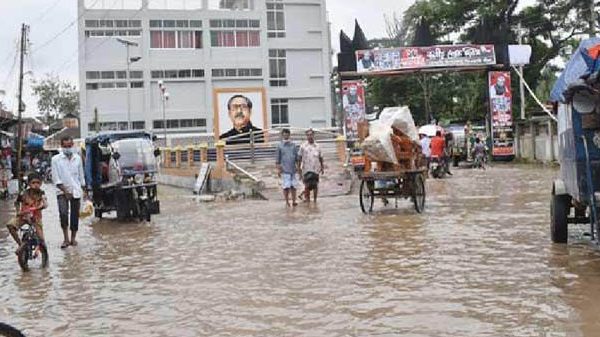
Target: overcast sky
<point>55,18</point>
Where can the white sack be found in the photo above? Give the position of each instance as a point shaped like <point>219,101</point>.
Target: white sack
<point>401,118</point>
<point>378,146</point>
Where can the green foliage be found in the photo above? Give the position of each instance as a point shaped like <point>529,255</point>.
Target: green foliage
<point>548,26</point>
<point>56,98</point>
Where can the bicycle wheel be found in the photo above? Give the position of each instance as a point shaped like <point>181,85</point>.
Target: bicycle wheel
<point>366,197</point>
<point>33,256</point>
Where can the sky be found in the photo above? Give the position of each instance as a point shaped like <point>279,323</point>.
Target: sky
<point>55,21</point>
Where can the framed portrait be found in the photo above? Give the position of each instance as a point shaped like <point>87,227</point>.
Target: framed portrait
<point>239,110</point>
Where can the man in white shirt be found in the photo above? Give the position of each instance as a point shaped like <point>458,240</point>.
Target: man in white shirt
<point>67,175</point>
<point>426,147</point>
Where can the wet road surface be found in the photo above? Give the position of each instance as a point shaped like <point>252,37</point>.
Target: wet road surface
<point>478,262</point>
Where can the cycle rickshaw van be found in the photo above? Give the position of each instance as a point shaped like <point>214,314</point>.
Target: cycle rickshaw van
<point>576,191</point>
<point>120,170</point>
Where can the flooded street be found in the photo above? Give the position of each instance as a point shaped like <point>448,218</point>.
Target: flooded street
<point>478,262</point>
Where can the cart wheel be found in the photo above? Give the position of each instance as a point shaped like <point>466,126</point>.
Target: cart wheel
<point>366,196</point>
<point>559,210</point>
<point>419,193</point>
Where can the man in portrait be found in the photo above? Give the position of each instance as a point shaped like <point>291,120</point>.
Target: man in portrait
<point>239,108</point>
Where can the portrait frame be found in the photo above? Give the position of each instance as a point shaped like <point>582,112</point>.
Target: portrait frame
<point>221,119</point>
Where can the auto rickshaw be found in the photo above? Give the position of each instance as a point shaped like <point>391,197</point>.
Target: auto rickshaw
<point>576,191</point>
<point>120,169</point>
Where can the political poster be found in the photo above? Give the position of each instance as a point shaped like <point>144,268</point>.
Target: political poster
<point>389,59</point>
<point>353,102</point>
<point>501,112</point>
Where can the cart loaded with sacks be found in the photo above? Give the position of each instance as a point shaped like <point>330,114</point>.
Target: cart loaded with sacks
<point>393,165</point>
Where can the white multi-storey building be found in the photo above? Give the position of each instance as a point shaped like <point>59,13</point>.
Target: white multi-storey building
<point>198,48</point>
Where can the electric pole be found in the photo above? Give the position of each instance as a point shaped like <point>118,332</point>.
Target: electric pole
<point>592,19</point>
<point>521,86</point>
<point>24,29</point>
<point>96,121</point>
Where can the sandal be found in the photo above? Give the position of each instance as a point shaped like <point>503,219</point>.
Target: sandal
<point>64,245</point>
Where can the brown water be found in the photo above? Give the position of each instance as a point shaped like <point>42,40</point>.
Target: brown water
<point>479,262</point>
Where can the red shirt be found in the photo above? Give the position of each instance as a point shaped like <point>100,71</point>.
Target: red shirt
<point>437,146</point>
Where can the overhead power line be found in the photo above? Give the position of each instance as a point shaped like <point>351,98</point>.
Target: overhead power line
<point>64,30</point>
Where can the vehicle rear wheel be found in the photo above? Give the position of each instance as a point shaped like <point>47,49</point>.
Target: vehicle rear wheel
<point>559,211</point>
<point>419,193</point>
<point>366,196</point>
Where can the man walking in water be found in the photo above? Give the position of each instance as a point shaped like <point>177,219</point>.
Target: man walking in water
<point>311,165</point>
<point>67,175</point>
<point>287,162</point>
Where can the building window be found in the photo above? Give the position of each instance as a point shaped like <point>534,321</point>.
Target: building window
<point>275,19</point>
<point>136,74</point>
<point>158,124</point>
<point>169,34</point>
<point>175,4</point>
<point>172,123</point>
<point>92,75</point>
<point>277,68</point>
<point>114,4</point>
<point>239,5</point>
<point>180,123</point>
<point>235,33</point>
<point>235,38</point>
<point>137,84</point>
<point>244,72</point>
<point>178,73</point>
<point>279,112</point>
<point>115,126</point>
<point>98,28</point>
<point>138,125</point>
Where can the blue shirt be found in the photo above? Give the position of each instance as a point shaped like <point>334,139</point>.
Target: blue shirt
<point>287,156</point>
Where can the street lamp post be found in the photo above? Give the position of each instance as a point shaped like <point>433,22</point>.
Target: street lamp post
<point>129,60</point>
<point>164,96</point>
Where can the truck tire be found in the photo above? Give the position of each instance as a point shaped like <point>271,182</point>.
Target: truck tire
<point>559,211</point>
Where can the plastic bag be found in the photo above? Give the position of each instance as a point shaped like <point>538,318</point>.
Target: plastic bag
<point>86,209</point>
<point>400,118</point>
<point>378,146</point>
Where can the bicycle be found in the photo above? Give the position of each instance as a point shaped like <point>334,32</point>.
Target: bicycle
<point>32,247</point>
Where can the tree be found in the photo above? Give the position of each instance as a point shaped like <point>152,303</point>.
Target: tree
<point>56,98</point>
<point>548,26</point>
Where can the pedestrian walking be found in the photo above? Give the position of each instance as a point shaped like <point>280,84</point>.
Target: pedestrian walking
<point>287,166</point>
<point>426,147</point>
<point>311,165</point>
<point>67,176</point>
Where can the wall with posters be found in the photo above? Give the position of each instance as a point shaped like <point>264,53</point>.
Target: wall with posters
<point>501,113</point>
<point>353,101</point>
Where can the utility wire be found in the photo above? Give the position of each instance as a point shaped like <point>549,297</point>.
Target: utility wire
<point>73,56</point>
<point>64,30</point>
<point>40,17</point>
<point>12,68</point>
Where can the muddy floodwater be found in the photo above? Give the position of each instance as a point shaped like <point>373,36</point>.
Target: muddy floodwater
<point>478,262</point>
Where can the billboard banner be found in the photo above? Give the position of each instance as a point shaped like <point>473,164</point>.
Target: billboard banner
<point>353,102</point>
<point>501,112</point>
<point>424,57</point>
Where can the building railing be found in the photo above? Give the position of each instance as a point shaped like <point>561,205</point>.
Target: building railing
<point>333,146</point>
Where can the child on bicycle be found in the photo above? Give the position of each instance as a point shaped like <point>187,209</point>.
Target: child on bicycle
<point>30,203</point>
